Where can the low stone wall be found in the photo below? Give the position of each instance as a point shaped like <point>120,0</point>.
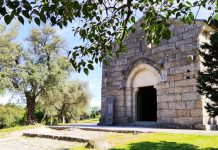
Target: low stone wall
<point>64,138</point>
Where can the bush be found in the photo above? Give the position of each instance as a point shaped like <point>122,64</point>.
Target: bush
<point>11,115</point>
<point>95,111</point>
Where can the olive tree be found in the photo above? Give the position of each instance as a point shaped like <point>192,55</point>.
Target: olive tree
<point>68,100</point>
<point>39,68</point>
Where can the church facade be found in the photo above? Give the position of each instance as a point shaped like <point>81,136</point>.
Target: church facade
<point>156,84</point>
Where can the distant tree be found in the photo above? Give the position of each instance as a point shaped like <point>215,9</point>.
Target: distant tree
<point>11,115</point>
<point>208,78</point>
<point>94,112</point>
<point>68,100</point>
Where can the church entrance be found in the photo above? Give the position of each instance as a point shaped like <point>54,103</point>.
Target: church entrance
<point>146,104</point>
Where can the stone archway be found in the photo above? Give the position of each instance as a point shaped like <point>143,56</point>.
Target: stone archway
<point>142,75</point>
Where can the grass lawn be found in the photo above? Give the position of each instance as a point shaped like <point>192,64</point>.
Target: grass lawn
<point>16,128</point>
<point>94,120</point>
<point>163,141</point>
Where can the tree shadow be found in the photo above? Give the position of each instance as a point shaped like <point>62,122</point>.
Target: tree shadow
<point>162,145</point>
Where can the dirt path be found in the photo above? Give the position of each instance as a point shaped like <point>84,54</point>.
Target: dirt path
<point>15,141</point>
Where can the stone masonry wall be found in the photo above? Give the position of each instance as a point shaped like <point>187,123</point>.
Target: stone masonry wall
<point>177,99</point>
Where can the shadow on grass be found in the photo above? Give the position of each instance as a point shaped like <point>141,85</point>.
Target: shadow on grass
<point>163,145</point>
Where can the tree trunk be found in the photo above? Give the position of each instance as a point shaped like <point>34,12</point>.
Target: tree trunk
<point>63,119</point>
<point>51,120</point>
<point>43,118</point>
<point>31,102</point>
<point>74,119</point>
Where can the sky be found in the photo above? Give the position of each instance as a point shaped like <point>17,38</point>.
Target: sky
<point>95,76</point>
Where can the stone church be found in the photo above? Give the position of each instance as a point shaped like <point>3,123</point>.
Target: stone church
<point>156,84</point>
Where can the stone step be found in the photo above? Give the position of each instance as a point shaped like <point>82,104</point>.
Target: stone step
<point>57,137</point>
<point>91,143</point>
<point>113,130</point>
<point>143,124</point>
<point>211,127</point>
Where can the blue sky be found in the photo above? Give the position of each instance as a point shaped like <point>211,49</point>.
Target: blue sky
<point>94,78</point>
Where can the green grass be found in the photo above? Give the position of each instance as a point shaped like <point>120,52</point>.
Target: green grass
<point>94,120</point>
<point>16,128</point>
<point>160,141</point>
<point>163,141</point>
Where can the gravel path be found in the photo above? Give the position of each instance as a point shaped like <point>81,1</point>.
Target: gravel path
<point>23,143</point>
<point>71,132</point>
<point>15,141</point>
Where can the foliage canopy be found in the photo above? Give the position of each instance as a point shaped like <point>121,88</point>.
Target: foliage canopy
<point>208,78</point>
<point>67,101</point>
<point>103,22</point>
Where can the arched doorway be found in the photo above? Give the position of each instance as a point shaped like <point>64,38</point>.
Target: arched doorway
<point>141,97</point>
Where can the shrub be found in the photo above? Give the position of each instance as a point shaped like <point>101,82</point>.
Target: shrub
<point>11,115</point>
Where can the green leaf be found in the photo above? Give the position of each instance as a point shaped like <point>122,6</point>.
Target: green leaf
<point>90,66</point>
<point>133,30</point>
<point>96,60</point>
<point>11,4</point>
<point>16,3</point>
<point>209,19</point>
<point>65,23</point>
<point>53,20</point>
<point>61,10</point>
<point>8,19</point>
<point>83,33</point>
<point>189,3</point>
<point>19,10</point>
<point>3,11</point>
<point>42,17</point>
<point>37,21</point>
<point>133,19</point>
<point>86,71</point>
<point>98,18</point>
<point>26,14</point>
<point>100,1</point>
<point>20,18</point>
<point>76,5</point>
<point>69,53</point>
<point>178,14</point>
